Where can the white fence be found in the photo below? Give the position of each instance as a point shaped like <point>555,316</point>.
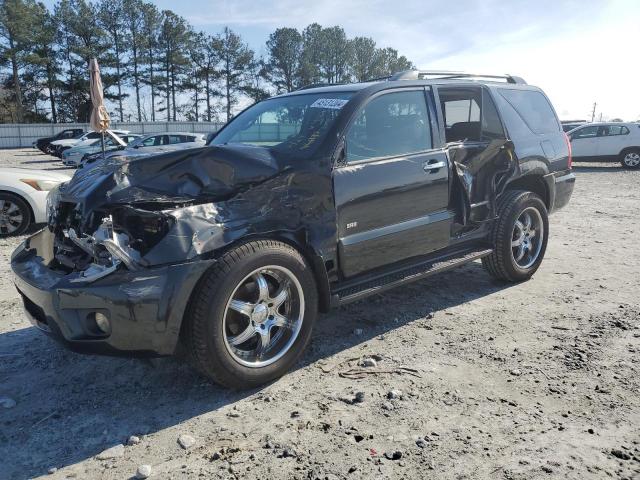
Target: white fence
<point>17,135</point>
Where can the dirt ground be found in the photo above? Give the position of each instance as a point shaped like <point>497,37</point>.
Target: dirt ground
<point>529,381</point>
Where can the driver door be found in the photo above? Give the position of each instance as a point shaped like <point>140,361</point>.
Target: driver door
<point>392,188</point>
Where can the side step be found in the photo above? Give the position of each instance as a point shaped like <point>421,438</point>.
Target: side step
<point>348,294</point>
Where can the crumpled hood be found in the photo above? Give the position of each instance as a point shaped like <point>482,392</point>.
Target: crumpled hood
<point>204,174</point>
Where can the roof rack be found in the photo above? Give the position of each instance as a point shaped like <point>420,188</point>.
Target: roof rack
<point>449,75</point>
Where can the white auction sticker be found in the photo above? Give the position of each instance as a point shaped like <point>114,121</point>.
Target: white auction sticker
<point>335,103</point>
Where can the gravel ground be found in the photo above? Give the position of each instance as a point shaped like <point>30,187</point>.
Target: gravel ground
<point>529,381</point>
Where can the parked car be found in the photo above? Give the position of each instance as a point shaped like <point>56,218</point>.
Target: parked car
<point>88,138</point>
<point>154,143</point>
<point>304,201</point>
<point>73,156</point>
<point>44,144</point>
<point>23,195</point>
<point>607,142</point>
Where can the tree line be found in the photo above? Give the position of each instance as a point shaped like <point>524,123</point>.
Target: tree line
<point>155,66</point>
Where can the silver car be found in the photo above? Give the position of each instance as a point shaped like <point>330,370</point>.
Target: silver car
<point>160,142</point>
<point>615,141</point>
<point>73,156</point>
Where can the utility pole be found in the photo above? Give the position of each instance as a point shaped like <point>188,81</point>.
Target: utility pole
<point>593,112</point>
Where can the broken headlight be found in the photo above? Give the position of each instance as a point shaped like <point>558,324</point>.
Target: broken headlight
<point>144,228</point>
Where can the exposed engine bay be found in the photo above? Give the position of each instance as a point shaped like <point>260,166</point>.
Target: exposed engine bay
<point>168,208</point>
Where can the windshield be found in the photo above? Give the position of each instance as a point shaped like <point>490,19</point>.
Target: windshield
<point>294,124</point>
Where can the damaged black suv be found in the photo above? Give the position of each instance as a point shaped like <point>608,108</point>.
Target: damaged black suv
<point>304,201</point>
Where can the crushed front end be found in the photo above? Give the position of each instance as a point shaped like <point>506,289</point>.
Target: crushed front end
<point>125,245</point>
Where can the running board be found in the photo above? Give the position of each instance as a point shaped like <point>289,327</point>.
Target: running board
<point>349,294</point>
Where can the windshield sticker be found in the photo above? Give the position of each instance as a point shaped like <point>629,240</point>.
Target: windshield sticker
<point>335,103</point>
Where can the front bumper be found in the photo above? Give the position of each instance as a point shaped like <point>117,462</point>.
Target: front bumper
<point>145,308</point>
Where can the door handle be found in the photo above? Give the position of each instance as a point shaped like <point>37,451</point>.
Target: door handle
<point>432,165</point>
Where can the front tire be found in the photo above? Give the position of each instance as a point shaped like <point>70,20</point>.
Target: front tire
<point>519,237</point>
<point>15,215</point>
<point>630,159</point>
<point>252,314</point>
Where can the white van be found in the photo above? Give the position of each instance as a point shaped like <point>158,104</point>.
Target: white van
<point>607,141</point>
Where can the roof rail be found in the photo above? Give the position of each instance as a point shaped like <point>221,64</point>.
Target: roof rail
<point>449,75</point>
<point>317,85</point>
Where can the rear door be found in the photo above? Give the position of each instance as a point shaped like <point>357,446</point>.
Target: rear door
<point>392,188</point>
<point>478,148</point>
<point>612,139</point>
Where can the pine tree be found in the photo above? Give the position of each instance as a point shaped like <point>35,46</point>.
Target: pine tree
<point>283,66</point>
<point>236,58</point>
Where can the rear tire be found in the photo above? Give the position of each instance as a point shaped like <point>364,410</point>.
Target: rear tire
<point>519,237</point>
<point>15,215</point>
<point>251,315</point>
<point>630,159</point>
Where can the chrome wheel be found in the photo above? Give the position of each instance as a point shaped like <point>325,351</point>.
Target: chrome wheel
<point>11,217</point>
<point>632,159</point>
<point>263,316</point>
<point>527,238</point>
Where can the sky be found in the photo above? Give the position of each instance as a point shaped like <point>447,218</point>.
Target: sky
<point>578,51</point>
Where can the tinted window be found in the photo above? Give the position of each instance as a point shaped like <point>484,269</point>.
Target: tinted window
<point>534,109</point>
<point>390,125</point>
<point>491,125</point>
<point>586,132</point>
<point>94,135</point>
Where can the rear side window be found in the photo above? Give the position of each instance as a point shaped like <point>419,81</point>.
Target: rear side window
<point>534,109</point>
<point>469,115</point>
<point>392,124</point>
<point>611,130</point>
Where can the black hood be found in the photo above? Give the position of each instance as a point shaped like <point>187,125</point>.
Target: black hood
<point>198,175</point>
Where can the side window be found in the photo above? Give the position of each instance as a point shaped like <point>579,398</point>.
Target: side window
<point>491,124</point>
<point>533,108</point>
<point>392,124</point>
<point>149,142</point>
<point>616,130</point>
<point>94,135</point>
<point>67,134</point>
<point>461,110</point>
<point>586,132</point>
<point>176,139</point>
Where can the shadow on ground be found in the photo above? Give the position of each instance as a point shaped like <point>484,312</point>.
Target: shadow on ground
<point>70,407</point>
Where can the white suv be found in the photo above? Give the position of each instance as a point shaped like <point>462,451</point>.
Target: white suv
<point>607,141</point>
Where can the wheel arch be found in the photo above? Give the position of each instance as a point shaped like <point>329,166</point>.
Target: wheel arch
<point>533,183</point>
<point>628,149</point>
<point>298,241</point>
